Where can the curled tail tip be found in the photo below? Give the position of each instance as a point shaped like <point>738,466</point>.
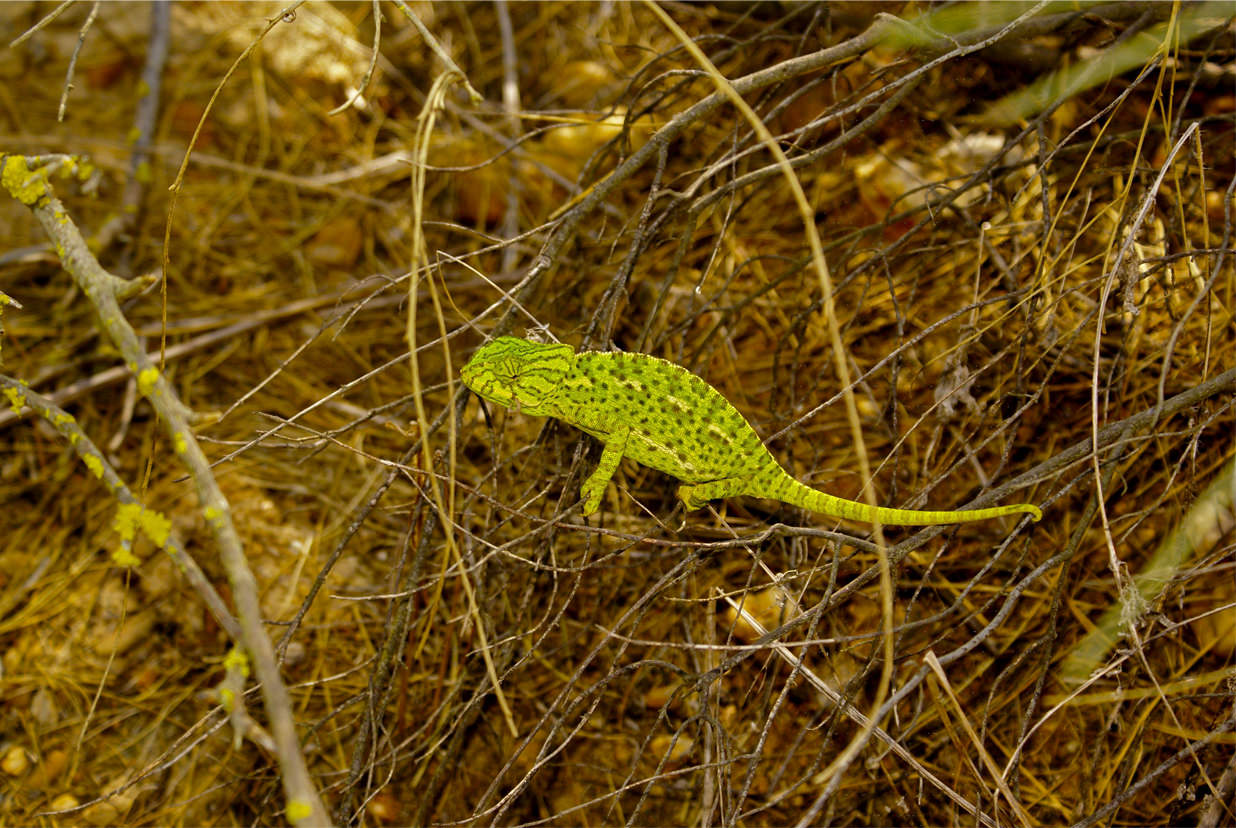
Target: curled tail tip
<point>1035,513</point>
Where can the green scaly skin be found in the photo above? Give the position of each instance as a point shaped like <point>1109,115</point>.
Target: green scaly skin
<point>663,416</point>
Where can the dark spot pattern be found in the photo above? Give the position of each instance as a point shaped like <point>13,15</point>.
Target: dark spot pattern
<point>678,423</point>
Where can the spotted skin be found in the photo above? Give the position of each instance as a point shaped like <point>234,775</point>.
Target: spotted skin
<point>659,414</point>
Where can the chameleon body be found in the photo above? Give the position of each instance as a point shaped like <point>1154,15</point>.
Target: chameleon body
<point>659,414</point>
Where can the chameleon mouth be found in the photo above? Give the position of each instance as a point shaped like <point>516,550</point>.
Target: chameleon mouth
<point>484,387</point>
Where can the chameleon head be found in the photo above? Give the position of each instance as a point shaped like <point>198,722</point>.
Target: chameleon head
<point>517,373</point>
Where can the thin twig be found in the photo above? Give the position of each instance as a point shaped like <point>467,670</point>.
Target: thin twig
<point>437,48</point>
<point>373,62</point>
<point>48,18</point>
<point>510,106</point>
<point>68,75</point>
<point>144,123</point>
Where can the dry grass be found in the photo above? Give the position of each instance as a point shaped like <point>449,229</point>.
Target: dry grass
<point>1082,275</point>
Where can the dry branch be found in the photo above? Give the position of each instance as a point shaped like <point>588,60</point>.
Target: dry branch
<point>27,180</point>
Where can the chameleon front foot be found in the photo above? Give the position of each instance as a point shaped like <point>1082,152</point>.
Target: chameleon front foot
<point>611,453</point>
<point>591,491</point>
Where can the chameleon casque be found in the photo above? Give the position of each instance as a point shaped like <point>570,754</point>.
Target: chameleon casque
<point>659,414</point>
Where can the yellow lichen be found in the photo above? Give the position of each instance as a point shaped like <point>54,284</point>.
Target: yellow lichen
<point>213,513</point>
<point>124,557</point>
<point>156,526</point>
<point>16,399</point>
<point>94,464</point>
<point>298,809</point>
<point>24,184</point>
<point>181,444</point>
<point>131,516</point>
<point>227,698</point>
<point>236,661</point>
<point>125,522</point>
<point>62,418</point>
<point>146,380</point>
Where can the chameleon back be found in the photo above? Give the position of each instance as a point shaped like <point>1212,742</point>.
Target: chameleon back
<point>678,423</point>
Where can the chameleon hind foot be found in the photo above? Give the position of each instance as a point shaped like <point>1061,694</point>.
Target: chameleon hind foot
<point>695,495</point>
<point>686,493</point>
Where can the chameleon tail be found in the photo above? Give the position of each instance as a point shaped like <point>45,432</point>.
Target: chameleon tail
<point>789,490</point>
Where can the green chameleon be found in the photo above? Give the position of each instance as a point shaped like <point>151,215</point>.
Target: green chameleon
<point>659,414</point>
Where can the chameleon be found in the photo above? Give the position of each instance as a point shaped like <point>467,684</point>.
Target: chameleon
<point>663,416</point>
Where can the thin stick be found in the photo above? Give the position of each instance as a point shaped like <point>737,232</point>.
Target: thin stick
<point>436,47</point>
<point>51,15</point>
<point>68,75</point>
<point>373,62</point>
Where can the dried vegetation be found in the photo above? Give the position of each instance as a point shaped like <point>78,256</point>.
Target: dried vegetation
<point>1006,288</point>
